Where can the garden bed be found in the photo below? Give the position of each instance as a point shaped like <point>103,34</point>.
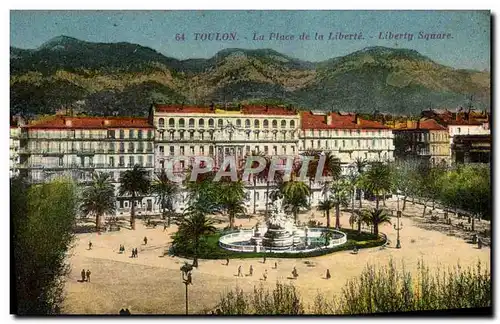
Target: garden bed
<point>211,250</point>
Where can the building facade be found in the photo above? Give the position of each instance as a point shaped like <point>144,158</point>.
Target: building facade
<point>15,132</point>
<point>77,146</point>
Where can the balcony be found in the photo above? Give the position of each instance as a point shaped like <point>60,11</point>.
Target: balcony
<point>53,153</point>
<point>85,151</point>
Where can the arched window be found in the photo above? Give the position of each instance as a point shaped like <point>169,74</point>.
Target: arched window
<point>292,123</point>
<point>238,123</point>
<point>191,122</point>
<point>247,123</point>
<point>220,123</point>
<point>182,123</point>
<point>201,122</point>
<point>171,122</point>
<point>283,124</point>
<point>275,124</point>
<point>257,124</point>
<point>266,123</point>
<point>161,122</point>
<point>211,123</point>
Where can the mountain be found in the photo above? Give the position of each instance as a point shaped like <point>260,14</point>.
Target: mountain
<point>124,78</point>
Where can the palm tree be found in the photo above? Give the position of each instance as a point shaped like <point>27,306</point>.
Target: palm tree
<point>165,192</point>
<point>340,197</point>
<point>377,217</point>
<point>193,226</point>
<point>134,183</point>
<point>295,195</point>
<point>360,165</point>
<point>331,169</point>
<point>378,180</point>
<point>326,206</point>
<point>99,198</point>
<point>312,167</point>
<point>232,196</point>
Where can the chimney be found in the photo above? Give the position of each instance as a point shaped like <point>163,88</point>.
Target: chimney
<point>212,106</point>
<point>357,119</point>
<point>68,122</point>
<point>106,122</point>
<point>267,108</point>
<point>328,118</point>
<point>418,123</point>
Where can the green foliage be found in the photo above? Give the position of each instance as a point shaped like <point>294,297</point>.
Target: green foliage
<point>134,184</point>
<point>377,290</point>
<point>98,198</point>
<point>43,217</point>
<point>295,194</point>
<point>377,180</point>
<point>165,192</point>
<point>374,217</point>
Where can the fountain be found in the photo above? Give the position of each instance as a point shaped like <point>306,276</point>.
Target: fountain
<point>280,234</point>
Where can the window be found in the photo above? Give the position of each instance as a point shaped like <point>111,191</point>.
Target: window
<point>161,150</point>
<point>211,123</point>
<point>343,143</point>
<point>292,123</point>
<point>266,149</point>
<point>141,160</point>
<point>122,161</point>
<point>275,150</point>
<point>220,123</point>
<point>201,123</point>
<point>266,123</point>
<point>283,149</point>
<point>171,123</point>
<point>161,122</point>
<point>150,160</point>
<point>275,124</point>
<point>139,134</point>
<point>111,134</point>
<point>181,135</point>
<point>182,123</point>
<point>202,150</point>
<point>131,161</point>
<point>359,143</point>
<point>131,133</point>
<point>256,124</point>
<point>319,133</point>
<point>293,149</point>
<point>256,196</point>
<point>61,161</point>
<point>122,133</point>
<point>283,124</point>
<point>150,147</point>
<point>122,147</point>
<point>312,144</point>
<point>191,150</point>
<point>211,150</point>
<point>111,161</point>
<point>373,143</point>
<point>319,144</point>
<point>458,130</point>
<point>131,147</point>
<point>140,147</point>
<point>191,123</point>
<point>238,123</point>
<point>150,134</point>
<point>191,135</point>
<point>182,150</point>
<point>172,151</point>
<point>247,123</point>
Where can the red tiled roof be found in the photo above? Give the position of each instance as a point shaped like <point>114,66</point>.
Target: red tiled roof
<point>183,109</point>
<point>263,110</point>
<point>312,121</point>
<point>66,122</point>
<point>424,124</point>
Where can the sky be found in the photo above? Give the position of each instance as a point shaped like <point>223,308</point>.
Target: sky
<point>468,45</point>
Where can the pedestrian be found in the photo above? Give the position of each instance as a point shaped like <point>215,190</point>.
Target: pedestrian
<point>90,245</point>
<point>251,270</point>
<point>275,265</point>
<point>164,227</point>
<point>264,276</point>
<point>133,253</point>
<point>88,275</point>
<point>328,274</point>
<point>227,261</point>
<point>145,240</point>
<point>136,252</point>
<point>264,259</point>
<point>295,274</point>
<point>239,272</point>
<point>83,275</point>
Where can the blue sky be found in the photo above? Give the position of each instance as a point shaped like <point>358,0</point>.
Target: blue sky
<point>469,48</point>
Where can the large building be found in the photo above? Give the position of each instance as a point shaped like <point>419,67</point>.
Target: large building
<point>423,140</point>
<point>78,146</point>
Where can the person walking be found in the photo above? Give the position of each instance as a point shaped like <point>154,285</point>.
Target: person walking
<point>90,245</point>
<point>88,275</point>
<point>227,261</point>
<point>164,227</point>
<point>239,272</point>
<point>83,275</point>
<point>251,270</point>
<point>264,261</point>
<point>145,240</point>
<point>328,274</point>
<point>264,276</point>
<point>136,253</point>
<point>275,265</point>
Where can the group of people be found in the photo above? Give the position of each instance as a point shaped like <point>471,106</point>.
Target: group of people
<point>122,248</point>
<point>85,275</point>
<point>134,253</point>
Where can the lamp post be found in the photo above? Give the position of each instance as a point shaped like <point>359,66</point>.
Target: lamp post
<point>186,279</point>
<point>398,228</point>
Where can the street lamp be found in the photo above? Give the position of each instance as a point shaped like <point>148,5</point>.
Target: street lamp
<point>398,228</point>
<point>186,279</point>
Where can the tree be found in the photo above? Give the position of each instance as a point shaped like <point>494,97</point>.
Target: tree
<point>326,206</point>
<point>377,217</point>
<point>99,198</point>
<point>295,195</point>
<point>134,183</point>
<point>378,180</point>
<point>405,179</point>
<point>340,197</point>
<point>194,226</point>
<point>360,165</point>
<point>331,169</point>
<point>165,192</point>
<point>232,196</point>
<point>42,218</point>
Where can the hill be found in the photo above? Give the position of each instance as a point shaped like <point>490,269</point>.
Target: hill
<point>125,78</point>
